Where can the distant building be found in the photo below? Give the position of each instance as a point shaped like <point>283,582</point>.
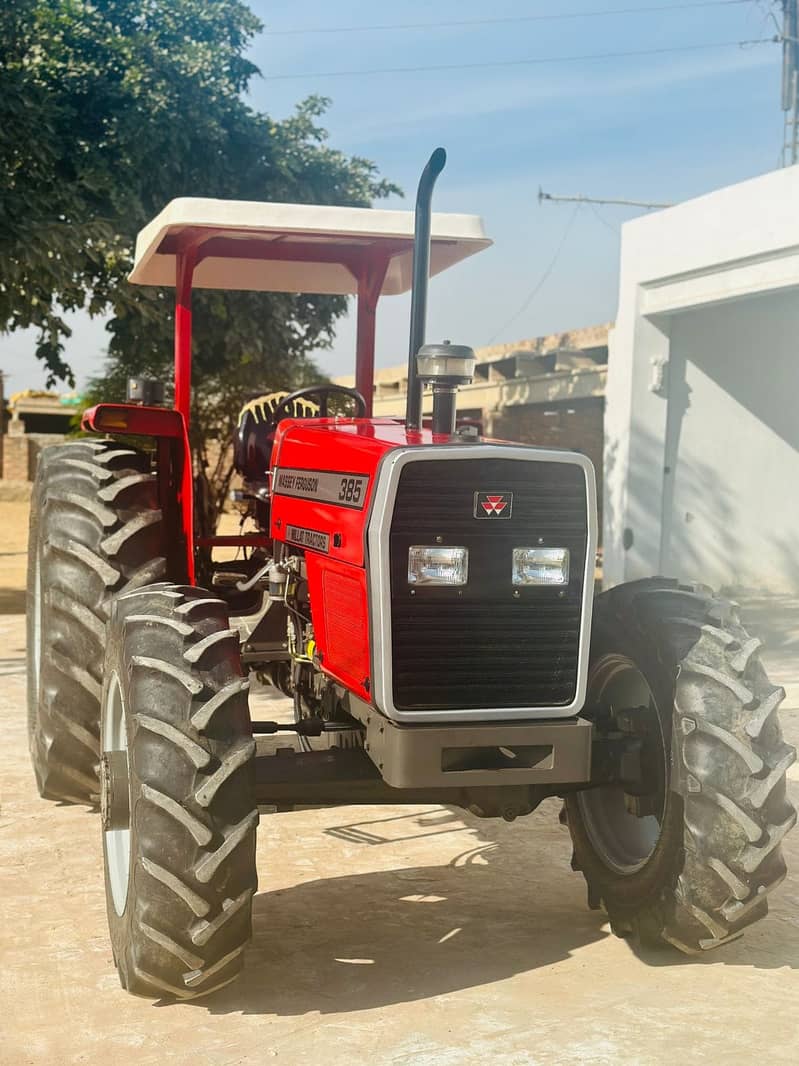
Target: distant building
<point>33,420</point>
<point>545,390</point>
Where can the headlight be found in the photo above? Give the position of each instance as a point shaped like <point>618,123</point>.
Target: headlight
<point>437,566</point>
<point>540,566</point>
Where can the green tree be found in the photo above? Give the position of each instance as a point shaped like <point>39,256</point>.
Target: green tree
<point>108,110</point>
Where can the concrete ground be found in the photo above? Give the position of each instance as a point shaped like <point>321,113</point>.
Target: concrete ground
<point>401,936</point>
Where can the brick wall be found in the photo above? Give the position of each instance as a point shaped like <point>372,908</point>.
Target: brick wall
<point>21,452</point>
<point>15,458</point>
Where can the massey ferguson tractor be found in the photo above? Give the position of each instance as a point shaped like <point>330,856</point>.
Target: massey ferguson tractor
<point>424,596</point>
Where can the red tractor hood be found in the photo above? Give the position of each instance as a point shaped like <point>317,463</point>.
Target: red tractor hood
<point>323,478</point>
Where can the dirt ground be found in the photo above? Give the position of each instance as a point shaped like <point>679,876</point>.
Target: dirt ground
<point>13,556</point>
<point>402,936</point>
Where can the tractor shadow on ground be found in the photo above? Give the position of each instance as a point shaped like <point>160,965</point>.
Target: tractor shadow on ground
<point>503,907</point>
<point>368,940</point>
<point>775,620</point>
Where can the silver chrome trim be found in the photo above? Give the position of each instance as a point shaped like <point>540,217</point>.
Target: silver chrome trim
<point>113,726</point>
<point>377,542</point>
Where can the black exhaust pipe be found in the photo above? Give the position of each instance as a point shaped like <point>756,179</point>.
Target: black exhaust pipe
<point>421,274</point>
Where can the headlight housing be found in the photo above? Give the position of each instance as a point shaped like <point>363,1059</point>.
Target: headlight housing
<point>433,565</point>
<point>540,566</point>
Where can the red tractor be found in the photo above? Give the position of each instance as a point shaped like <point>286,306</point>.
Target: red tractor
<point>424,596</point>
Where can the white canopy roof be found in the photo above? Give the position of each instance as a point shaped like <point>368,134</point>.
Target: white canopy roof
<point>294,230</point>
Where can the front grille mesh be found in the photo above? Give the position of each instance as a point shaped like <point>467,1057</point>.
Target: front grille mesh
<point>480,647</point>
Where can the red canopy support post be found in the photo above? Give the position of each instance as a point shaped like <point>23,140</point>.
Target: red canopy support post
<point>371,275</point>
<point>184,271</point>
<point>184,263</point>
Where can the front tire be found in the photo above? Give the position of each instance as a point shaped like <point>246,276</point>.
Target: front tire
<point>178,799</point>
<point>692,863</point>
<point>95,530</point>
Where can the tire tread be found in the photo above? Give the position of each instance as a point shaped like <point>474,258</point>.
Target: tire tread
<point>188,920</point>
<point>86,492</point>
<point>728,767</point>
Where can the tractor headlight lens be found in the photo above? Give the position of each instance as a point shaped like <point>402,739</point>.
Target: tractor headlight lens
<point>437,566</point>
<point>540,566</point>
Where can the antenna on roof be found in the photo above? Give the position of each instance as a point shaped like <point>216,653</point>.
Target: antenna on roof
<point>648,205</point>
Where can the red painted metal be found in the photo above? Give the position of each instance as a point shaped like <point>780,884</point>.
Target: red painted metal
<point>168,428</point>
<point>137,420</point>
<point>359,450</point>
<point>184,272</point>
<point>339,613</point>
<point>342,447</point>
<point>367,264</point>
<point>337,578</point>
<point>347,436</point>
<point>334,447</point>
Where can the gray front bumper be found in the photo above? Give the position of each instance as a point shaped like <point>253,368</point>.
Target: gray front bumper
<point>480,753</point>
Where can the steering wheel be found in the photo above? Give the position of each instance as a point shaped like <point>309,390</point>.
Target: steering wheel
<point>319,394</point>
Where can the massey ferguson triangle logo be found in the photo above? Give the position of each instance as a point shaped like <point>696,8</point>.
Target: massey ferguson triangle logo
<point>493,504</point>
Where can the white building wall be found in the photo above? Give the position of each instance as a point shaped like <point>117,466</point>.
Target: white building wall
<point>731,499</point>
<point>702,459</point>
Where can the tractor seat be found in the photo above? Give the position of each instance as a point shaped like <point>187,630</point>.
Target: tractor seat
<point>255,434</point>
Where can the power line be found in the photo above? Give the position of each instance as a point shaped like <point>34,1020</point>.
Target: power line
<point>534,61</point>
<point>544,277</point>
<point>552,17</point>
<point>601,218</point>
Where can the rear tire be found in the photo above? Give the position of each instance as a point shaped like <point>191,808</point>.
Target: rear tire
<point>715,855</point>
<point>178,804</point>
<point>95,530</point>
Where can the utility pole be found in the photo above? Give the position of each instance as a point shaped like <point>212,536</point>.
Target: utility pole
<point>579,199</point>
<point>790,82</point>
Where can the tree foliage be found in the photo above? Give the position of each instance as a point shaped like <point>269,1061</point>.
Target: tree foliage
<point>108,110</point>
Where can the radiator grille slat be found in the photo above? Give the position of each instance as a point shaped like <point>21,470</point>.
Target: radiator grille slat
<point>479,647</point>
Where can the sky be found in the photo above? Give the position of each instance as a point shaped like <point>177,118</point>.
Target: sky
<point>661,127</point>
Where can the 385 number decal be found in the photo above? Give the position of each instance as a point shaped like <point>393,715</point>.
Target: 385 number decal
<point>350,490</point>
<point>327,486</point>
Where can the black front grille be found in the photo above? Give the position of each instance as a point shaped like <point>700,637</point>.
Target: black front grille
<point>481,646</point>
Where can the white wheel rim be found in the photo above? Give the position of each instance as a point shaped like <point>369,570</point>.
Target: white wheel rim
<point>117,841</point>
